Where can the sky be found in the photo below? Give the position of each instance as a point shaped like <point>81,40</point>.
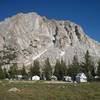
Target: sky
<point>86,13</point>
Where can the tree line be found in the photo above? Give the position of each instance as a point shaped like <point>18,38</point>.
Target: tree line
<point>60,69</point>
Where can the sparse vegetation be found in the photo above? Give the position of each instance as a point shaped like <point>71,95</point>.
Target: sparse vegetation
<point>30,90</point>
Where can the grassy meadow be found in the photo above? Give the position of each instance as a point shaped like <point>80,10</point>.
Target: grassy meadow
<point>49,91</point>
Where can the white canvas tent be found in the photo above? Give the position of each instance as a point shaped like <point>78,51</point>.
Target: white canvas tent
<point>36,78</point>
<point>54,78</point>
<point>81,77</point>
<point>67,78</point>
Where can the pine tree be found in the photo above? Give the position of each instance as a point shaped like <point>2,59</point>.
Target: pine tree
<point>30,73</point>
<point>57,70</point>
<point>98,71</point>
<point>60,69</point>
<point>88,66</point>
<point>74,68</point>
<point>2,76</point>
<point>47,70</point>
<point>35,69</point>
<point>13,71</point>
<point>6,73</point>
<point>63,69</point>
<point>24,73</point>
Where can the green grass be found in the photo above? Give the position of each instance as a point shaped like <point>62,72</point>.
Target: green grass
<point>47,91</point>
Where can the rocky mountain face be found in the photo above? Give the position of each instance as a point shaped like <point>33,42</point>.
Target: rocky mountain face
<point>27,37</point>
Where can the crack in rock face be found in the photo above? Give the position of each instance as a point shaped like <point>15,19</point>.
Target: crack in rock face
<point>35,37</point>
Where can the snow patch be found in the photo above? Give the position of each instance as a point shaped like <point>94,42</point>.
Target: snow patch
<point>34,58</point>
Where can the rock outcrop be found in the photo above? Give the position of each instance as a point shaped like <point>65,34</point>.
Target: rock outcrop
<point>14,90</point>
<point>27,37</point>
